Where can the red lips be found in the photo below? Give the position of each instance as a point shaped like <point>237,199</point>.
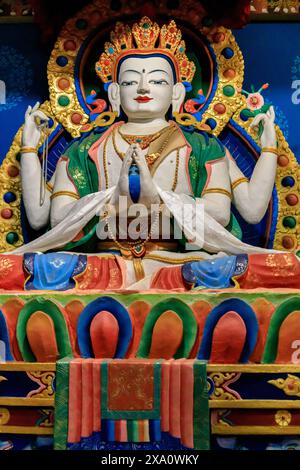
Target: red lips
<point>143,99</point>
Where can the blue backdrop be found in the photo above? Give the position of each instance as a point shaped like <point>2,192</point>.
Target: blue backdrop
<point>272,55</point>
<point>271,52</point>
<point>23,68</point>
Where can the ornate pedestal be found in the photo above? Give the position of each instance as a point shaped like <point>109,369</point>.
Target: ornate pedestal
<point>253,401</point>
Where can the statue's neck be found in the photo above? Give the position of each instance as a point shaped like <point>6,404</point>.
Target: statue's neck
<point>144,127</point>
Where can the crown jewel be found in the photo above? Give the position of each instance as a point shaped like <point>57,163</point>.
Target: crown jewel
<point>143,38</point>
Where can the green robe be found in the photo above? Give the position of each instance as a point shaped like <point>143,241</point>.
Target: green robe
<point>83,172</point>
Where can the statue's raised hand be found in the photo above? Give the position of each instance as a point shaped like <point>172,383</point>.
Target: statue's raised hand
<point>268,136</point>
<point>148,194</point>
<point>122,188</point>
<point>32,131</point>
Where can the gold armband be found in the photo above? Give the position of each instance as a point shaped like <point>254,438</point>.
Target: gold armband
<point>49,187</point>
<point>28,150</point>
<point>236,183</point>
<point>269,149</point>
<point>217,191</point>
<point>64,193</point>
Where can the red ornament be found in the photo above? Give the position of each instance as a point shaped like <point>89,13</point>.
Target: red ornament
<point>70,45</point>
<point>292,199</point>
<point>63,83</point>
<point>287,242</point>
<point>283,160</point>
<point>218,37</point>
<point>13,171</point>
<point>229,73</point>
<point>76,118</point>
<point>6,213</point>
<point>220,108</point>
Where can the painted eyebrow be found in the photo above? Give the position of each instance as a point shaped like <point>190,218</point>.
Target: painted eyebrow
<point>158,70</point>
<point>135,71</point>
<point>152,71</point>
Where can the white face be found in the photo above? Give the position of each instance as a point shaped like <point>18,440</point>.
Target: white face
<point>146,87</point>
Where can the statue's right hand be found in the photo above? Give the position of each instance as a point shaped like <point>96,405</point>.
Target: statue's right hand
<point>31,132</point>
<point>122,188</point>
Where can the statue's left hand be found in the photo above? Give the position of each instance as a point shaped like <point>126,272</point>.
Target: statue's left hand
<point>31,131</point>
<point>148,193</point>
<point>268,137</point>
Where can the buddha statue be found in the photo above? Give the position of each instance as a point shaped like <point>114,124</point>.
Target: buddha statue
<point>146,164</point>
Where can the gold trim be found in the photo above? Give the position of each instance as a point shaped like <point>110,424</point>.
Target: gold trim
<point>131,248</point>
<point>4,416</point>
<point>289,385</point>
<point>236,63</point>
<point>12,401</point>
<point>217,191</point>
<point>254,430</point>
<point>106,175</point>
<point>138,269</point>
<point>28,366</point>
<point>26,430</point>
<point>144,141</point>
<point>28,150</point>
<point>106,119</point>
<point>46,379</point>
<point>219,379</point>
<point>166,259</point>
<point>13,185</point>
<point>253,368</point>
<point>64,193</point>
<point>158,149</point>
<point>269,150</point>
<point>150,246</point>
<point>253,404</point>
<point>283,418</point>
<point>236,183</point>
<point>49,187</point>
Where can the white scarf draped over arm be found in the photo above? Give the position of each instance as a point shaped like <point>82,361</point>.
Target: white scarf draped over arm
<point>213,237</point>
<point>210,235</point>
<point>81,213</point>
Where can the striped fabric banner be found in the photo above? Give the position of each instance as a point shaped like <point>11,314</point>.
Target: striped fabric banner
<point>90,399</point>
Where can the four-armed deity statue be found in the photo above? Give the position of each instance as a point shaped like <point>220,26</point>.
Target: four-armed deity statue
<point>129,190</point>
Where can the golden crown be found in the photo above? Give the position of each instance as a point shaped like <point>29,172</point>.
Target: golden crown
<point>142,39</point>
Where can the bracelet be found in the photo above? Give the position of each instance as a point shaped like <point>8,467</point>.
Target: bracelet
<point>239,181</point>
<point>49,187</point>
<point>217,190</point>
<point>64,193</point>
<point>28,150</point>
<point>270,150</point>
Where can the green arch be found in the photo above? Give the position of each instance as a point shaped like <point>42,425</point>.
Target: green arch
<point>280,314</point>
<point>60,326</point>
<point>189,327</point>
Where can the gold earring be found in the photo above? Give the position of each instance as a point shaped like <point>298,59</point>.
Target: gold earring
<point>106,119</point>
<point>185,119</point>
